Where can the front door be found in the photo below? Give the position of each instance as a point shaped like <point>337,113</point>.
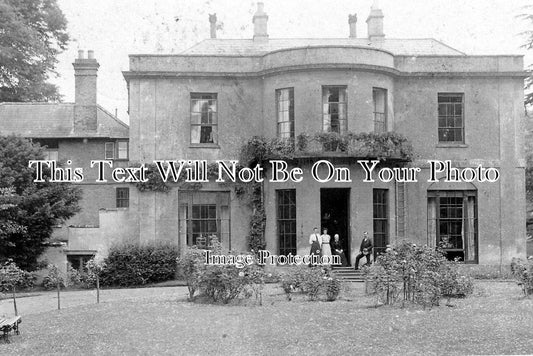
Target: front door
<point>335,215</point>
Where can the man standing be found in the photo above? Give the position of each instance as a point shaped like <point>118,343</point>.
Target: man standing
<point>364,250</point>
<point>316,246</point>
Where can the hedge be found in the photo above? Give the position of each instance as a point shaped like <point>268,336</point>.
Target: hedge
<point>140,264</point>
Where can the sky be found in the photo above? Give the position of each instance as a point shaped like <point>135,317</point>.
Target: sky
<point>116,28</point>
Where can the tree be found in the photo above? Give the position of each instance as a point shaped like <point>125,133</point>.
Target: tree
<point>12,277</point>
<point>30,209</point>
<point>32,34</point>
<point>527,16</point>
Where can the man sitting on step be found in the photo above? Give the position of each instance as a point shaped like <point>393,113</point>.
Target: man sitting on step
<point>364,250</point>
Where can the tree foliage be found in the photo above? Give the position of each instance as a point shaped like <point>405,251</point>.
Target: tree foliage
<point>32,34</point>
<point>29,209</point>
<point>527,16</point>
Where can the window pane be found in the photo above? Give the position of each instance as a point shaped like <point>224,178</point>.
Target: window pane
<point>212,105</point>
<point>196,118</point>
<point>195,134</point>
<point>206,134</point>
<point>195,106</point>
<point>196,211</point>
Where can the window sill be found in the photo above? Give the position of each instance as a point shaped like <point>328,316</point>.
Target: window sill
<point>452,145</point>
<point>204,145</point>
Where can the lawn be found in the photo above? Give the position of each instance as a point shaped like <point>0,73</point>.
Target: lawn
<point>496,320</point>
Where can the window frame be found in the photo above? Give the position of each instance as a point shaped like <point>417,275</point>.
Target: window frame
<point>117,153</point>
<point>291,238</point>
<point>465,195</point>
<point>384,219</point>
<point>115,150</point>
<point>78,261</point>
<point>290,111</point>
<point>385,112</point>
<point>189,199</point>
<point>122,202</point>
<point>106,150</point>
<point>454,117</point>
<point>344,103</point>
<point>214,125</point>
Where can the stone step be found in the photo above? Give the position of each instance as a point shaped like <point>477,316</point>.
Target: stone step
<point>348,274</point>
<point>354,280</point>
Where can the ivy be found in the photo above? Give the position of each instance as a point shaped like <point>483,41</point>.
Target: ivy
<point>154,181</point>
<point>388,145</point>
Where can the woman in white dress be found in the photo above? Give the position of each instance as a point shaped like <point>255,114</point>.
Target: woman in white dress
<point>326,248</point>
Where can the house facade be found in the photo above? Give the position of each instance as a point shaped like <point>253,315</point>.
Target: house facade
<point>78,132</point>
<point>205,103</point>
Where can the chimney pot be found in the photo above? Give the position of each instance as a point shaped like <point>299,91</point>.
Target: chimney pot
<point>260,20</point>
<point>352,21</point>
<point>90,54</point>
<point>213,25</point>
<point>81,54</point>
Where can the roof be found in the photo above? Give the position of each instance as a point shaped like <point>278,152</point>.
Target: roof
<point>247,47</point>
<point>54,120</point>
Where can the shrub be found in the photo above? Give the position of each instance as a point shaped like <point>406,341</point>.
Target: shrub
<point>95,267</point>
<point>222,283</point>
<point>311,281</point>
<point>255,281</point>
<point>53,278</point>
<point>332,288</point>
<point>134,264</point>
<point>190,266</point>
<point>12,277</point>
<point>523,273</point>
<point>419,275</point>
<point>227,282</point>
<point>453,284</point>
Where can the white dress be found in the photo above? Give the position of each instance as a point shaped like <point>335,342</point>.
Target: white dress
<point>326,247</point>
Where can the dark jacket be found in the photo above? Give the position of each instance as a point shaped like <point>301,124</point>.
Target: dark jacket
<point>366,244</point>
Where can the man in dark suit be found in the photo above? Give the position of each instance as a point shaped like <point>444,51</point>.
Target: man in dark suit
<point>364,250</point>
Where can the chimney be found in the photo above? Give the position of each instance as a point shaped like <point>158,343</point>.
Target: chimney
<point>260,23</point>
<point>375,23</point>
<point>85,70</point>
<point>213,23</point>
<point>352,21</point>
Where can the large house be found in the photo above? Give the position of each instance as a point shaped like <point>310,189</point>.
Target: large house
<point>80,132</point>
<point>336,100</point>
<point>204,103</point>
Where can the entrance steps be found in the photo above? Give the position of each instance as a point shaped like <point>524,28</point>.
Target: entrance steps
<point>348,274</point>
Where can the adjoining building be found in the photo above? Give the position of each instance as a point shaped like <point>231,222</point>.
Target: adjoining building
<point>204,103</point>
<point>80,132</point>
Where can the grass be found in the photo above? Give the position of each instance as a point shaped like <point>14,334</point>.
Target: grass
<point>496,320</point>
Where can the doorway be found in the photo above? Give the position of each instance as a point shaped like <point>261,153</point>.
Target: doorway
<point>335,215</point>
